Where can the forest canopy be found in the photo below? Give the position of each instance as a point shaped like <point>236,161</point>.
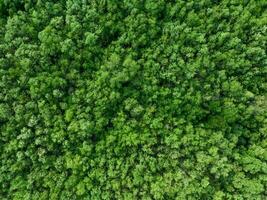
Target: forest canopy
<point>133,99</point>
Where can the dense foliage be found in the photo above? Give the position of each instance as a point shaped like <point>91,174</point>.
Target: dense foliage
<point>133,99</point>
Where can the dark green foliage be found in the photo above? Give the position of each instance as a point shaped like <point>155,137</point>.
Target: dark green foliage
<point>133,99</point>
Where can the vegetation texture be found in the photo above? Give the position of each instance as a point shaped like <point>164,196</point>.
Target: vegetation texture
<point>133,99</point>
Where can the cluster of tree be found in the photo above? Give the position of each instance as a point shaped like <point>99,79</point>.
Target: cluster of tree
<point>133,99</point>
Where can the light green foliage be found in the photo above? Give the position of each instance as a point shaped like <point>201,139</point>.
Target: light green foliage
<point>133,99</point>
